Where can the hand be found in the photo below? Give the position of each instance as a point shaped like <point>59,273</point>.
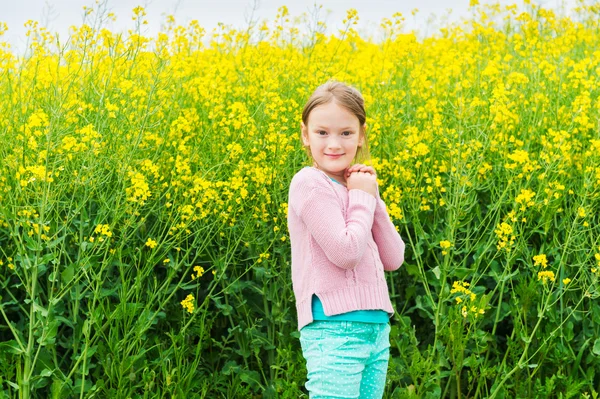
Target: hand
<point>360,168</point>
<point>363,181</point>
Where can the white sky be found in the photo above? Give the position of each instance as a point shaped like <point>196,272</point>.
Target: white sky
<point>58,15</point>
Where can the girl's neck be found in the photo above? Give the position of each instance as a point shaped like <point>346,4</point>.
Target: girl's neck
<point>338,179</point>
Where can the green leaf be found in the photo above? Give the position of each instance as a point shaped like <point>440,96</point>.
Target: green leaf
<point>33,245</point>
<point>67,274</point>
<point>436,271</point>
<point>11,346</point>
<point>230,367</point>
<point>46,373</point>
<point>411,269</point>
<point>47,258</point>
<point>569,334</point>
<point>52,277</point>
<point>596,348</point>
<point>38,308</point>
<point>250,377</point>
<point>54,243</point>
<point>225,309</point>
<point>49,336</point>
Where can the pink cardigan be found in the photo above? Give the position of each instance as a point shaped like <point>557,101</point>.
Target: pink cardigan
<point>342,241</point>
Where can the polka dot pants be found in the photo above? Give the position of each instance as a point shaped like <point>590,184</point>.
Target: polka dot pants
<point>346,359</point>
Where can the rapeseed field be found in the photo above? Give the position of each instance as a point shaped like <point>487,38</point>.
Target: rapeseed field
<point>143,200</point>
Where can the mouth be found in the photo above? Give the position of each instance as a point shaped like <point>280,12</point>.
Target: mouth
<point>334,155</point>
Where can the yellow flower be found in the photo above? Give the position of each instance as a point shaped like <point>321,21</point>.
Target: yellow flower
<point>540,260</point>
<point>546,275</point>
<point>445,244</point>
<point>199,272</point>
<point>188,303</point>
<point>504,232</point>
<point>525,198</point>
<point>151,243</point>
<point>459,286</point>
<point>103,229</point>
<point>566,281</point>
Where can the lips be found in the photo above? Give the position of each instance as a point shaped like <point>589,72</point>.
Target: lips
<point>334,156</point>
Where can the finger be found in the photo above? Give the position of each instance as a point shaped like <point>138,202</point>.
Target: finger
<point>353,168</point>
<point>369,169</point>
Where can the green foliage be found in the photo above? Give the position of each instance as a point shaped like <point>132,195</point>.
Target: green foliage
<point>143,201</point>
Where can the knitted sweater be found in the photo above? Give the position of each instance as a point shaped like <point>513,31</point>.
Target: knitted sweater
<point>342,241</point>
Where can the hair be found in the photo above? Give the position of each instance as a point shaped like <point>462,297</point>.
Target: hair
<point>347,97</point>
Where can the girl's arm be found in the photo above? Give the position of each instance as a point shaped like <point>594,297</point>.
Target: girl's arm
<point>343,241</point>
<point>389,243</point>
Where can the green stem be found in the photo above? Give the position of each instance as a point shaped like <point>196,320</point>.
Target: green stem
<point>28,367</point>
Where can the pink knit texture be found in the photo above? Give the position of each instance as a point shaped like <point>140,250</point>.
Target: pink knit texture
<point>342,241</point>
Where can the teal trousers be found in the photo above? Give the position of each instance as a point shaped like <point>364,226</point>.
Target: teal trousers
<point>345,359</point>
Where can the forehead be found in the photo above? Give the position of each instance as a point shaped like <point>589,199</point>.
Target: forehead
<point>332,114</point>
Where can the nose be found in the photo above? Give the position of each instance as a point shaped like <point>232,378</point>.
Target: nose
<point>333,143</point>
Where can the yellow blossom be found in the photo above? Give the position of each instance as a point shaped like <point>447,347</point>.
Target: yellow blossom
<point>188,303</point>
<point>546,275</point>
<point>199,272</point>
<point>445,244</point>
<point>540,260</point>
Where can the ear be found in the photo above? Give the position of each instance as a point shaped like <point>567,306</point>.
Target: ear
<point>361,139</point>
<point>304,130</point>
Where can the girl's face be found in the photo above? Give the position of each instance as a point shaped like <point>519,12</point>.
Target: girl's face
<point>333,135</point>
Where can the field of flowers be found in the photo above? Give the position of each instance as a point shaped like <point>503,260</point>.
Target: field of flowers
<point>143,197</point>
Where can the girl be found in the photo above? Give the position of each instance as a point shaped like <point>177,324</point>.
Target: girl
<point>342,241</point>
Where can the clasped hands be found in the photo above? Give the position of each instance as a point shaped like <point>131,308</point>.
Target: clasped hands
<point>362,177</point>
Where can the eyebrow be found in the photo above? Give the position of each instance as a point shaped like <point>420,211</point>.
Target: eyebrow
<point>344,128</point>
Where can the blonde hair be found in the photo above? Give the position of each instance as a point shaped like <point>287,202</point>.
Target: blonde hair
<point>347,97</point>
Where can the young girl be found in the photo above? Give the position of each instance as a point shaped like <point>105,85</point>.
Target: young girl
<point>342,241</point>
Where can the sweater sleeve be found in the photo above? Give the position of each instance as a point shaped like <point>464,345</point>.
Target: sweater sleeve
<point>342,240</point>
<point>389,243</point>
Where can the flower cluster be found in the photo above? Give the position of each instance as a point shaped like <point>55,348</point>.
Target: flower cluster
<point>540,260</point>
<point>445,244</point>
<point>546,275</point>
<point>467,298</point>
<point>525,199</point>
<point>199,272</point>
<point>104,231</point>
<point>188,303</point>
<point>506,239</point>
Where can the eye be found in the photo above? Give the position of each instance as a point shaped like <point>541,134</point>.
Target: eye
<point>344,133</point>
<point>321,131</point>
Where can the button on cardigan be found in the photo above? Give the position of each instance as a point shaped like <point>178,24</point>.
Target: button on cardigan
<point>342,242</point>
